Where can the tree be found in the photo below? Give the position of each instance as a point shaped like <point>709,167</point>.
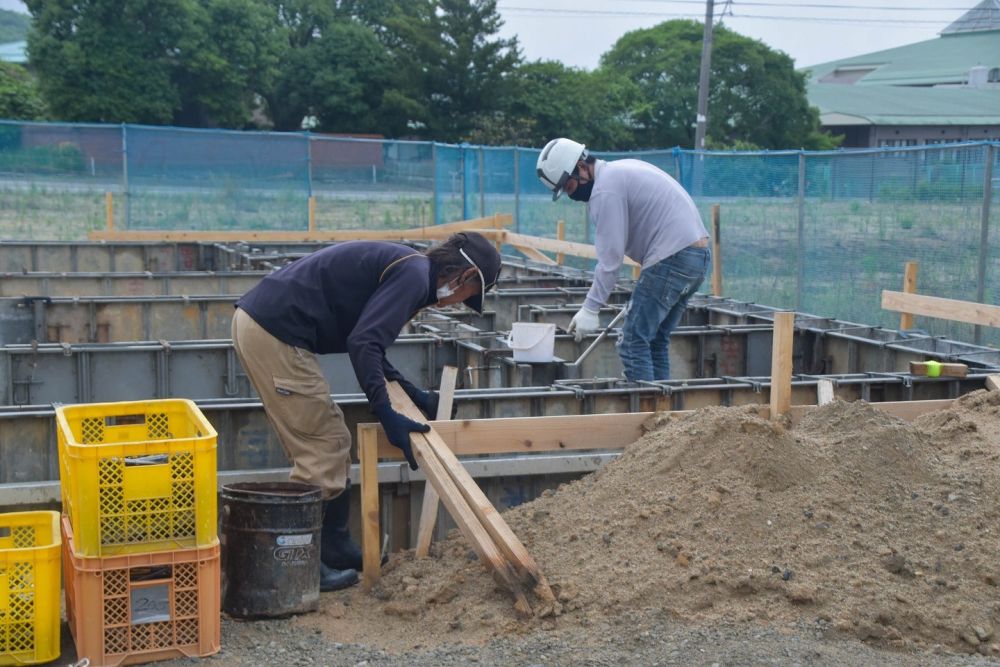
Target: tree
<point>334,68</point>
<point>595,108</point>
<point>756,97</point>
<point>19,98</point>
<point>451,66</point>
<point>187,62</point>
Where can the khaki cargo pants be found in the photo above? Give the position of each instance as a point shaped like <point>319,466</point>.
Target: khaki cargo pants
<point>296,399</point>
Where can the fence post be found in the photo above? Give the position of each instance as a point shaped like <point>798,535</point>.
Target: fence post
<point>435,208</point>
<point>984,233</point>
<point>482,183</point>
<point>128,197</point>
<point>311,202</point>
<point>517,190</point>
<point>716,251</point>
<point>800,260</point>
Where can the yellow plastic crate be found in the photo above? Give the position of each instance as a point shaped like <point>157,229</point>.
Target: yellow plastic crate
<point>137,476</point>
<point>29,587</point>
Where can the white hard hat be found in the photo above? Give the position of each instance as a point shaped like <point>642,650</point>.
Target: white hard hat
<point>557,161</point>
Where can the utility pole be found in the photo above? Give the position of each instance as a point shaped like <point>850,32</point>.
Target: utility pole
<point>706,63</point>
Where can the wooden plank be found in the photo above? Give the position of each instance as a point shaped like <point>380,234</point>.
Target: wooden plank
<point>556,246</point>
<point>909,287</point>
<point>781,364</point>
<point>948,309</point>
<point>312,214</point>
<point>561,235</point>
<point>429,508</point>
<point>371,553</point>
<point>937,369</point>
<point>521,435</point>
<point>498,530</point>
<point>536,255</point>
<point>824,391</point>
<point>993,382</point>
<point>491,227</point>
<point>454,500</point>
<point>716,252</point>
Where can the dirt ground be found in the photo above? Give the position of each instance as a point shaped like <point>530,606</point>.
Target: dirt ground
<point>717,538</point>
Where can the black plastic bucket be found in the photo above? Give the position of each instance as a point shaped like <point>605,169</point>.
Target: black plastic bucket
<point>270,556</point>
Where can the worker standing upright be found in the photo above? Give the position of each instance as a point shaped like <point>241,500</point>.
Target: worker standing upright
<point>641,212</point>
<point>352,297</point>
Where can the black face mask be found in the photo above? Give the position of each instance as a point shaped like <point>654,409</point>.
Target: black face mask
<point>582,191</point>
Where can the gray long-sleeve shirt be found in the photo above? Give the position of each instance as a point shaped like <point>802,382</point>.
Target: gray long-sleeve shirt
<point>638,211</point>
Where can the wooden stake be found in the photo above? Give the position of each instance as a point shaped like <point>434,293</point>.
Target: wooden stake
<point>716,252</point>
<point>312,214</point>
<point>781,364</point>
<point>371,553</point>
<point>993,382</point>
<point>561,235</point>
<point>480,505</point>
<point>429,508</point>
<point>909,287</point>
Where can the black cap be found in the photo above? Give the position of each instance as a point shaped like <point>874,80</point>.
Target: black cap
<point>484,256</point>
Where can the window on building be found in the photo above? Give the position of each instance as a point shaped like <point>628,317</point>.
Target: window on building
<point>994,75</point>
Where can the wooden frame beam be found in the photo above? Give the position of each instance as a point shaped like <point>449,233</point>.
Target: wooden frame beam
<point>554,245</point>
<point>490,226</point>
<point>948,309</point>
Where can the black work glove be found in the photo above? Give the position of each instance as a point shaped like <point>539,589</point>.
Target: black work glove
<point>398,428</point>
<point>427,401</point>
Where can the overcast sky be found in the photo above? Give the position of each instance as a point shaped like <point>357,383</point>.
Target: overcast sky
<point>577,32</point>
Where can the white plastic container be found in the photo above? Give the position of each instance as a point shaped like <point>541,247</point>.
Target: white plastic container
<point>532,342</point>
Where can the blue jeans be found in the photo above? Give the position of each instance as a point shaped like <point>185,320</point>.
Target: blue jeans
<point>657,304</point>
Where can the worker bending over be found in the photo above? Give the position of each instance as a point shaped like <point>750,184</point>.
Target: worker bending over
<point>640,212</point>
<point>351,297</point>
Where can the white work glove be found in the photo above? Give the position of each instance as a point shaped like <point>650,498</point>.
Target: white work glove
<point>584,322</point>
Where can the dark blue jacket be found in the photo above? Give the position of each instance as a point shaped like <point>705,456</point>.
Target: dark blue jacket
<point>351,297</point>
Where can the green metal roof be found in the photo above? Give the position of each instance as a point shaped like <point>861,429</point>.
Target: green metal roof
<point>984,16</point>
<point>946,59</point>
<point>898,105</point>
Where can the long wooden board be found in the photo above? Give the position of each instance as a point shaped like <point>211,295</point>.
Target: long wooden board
<point>948,309</point>
<point>489,226</point>
<point>436,452</point>
<point>781,364</point>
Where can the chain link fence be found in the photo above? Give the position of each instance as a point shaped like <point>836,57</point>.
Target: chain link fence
<point>820,232</point>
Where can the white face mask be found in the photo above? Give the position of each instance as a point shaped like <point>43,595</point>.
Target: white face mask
<point>445,291</point>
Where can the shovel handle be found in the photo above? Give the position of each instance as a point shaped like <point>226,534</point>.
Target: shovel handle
<point>600,337</point>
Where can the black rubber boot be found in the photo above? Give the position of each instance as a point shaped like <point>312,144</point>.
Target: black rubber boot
<point>337,550</point>
<point>334,580</point>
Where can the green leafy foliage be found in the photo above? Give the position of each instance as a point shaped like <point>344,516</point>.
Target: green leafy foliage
<point>182,62</point>
<point>19,97</point>
<point>756,97</point>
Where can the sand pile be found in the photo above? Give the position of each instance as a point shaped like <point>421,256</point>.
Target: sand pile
<point>862,523</point>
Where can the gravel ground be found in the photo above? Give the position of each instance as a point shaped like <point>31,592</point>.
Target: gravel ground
<point>630,642</point>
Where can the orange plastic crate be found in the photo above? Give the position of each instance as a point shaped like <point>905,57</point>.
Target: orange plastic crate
<point>136,608</point>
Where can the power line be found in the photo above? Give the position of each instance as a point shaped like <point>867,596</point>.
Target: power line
<point>807,5</point>
<point>580,13</point>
